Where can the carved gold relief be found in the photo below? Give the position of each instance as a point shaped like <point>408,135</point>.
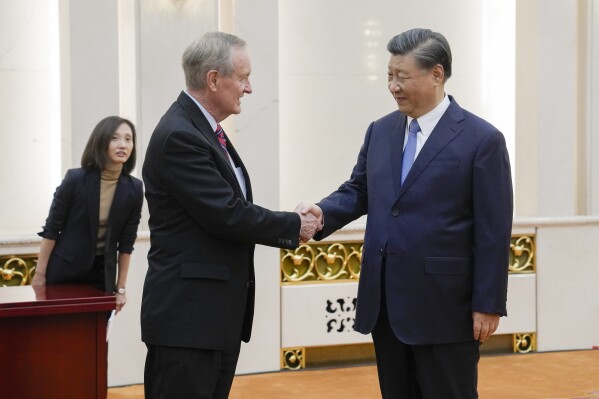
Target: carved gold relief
<point>354,261</point>
<point>525,343</point>
<point>341,261</point>
<point>298,265</point>
<point>522,253</point>
<point>324,262</point>
<point>330,263</point>
<point>17,270</point>
<point>293,358</point>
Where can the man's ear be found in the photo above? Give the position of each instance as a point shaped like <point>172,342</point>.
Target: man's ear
<point>212,79</point>
<point>438,74</point>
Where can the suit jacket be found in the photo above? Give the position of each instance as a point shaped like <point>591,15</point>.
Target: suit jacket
<point>199,288</point>
<point>443,236</point>
<point>73,222</point>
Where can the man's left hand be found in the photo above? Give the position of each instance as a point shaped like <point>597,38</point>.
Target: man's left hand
<point>484,325</point>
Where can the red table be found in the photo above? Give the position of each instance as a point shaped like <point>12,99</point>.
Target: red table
<point>53,342</point>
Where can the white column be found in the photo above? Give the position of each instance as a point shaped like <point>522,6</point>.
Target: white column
<point>593,106</point>
<point>89,71</point>
<point>526,105</point>
<point>128,21</point>
<point>547,104</point>
<point>30,123</point>
<point>257,139</point>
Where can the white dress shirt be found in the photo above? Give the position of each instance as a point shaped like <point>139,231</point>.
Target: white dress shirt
<point>427,123</point>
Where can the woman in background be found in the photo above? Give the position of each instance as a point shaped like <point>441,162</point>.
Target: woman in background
<point>95,214</point>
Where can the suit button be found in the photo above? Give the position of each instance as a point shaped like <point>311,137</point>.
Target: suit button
<point>248,284</point>
<point>394,212</point>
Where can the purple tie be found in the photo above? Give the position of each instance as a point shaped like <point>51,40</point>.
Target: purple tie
<point>410,150</point>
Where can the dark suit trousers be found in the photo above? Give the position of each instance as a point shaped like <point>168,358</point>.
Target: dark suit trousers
<point>445,371</point>
<point>189,373</point>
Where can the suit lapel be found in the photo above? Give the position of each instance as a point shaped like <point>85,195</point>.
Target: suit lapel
<point>92,192</point>
<point>446,130</point>
<point>396,146</point>
<point>200,121</point>
<point>121,194</point>
<point>202,124</point>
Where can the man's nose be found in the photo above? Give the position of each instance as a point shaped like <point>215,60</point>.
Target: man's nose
<point>394,86</point>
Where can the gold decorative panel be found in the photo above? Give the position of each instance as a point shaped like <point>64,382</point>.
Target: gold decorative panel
<point>525,343</point>
<point>522,254</point>
<point>322,262</point>
<point>341,261</point>
<point>293,358</point>
<point>17,270</point>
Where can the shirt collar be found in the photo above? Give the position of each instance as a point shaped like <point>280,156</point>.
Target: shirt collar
<point>210,118</point>
<point>428,121</point>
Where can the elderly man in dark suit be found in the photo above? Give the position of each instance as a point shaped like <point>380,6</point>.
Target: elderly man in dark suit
<point>198,298</point>
<point>435,182</point>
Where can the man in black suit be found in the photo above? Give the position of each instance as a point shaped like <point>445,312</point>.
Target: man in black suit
<point>198,298</point>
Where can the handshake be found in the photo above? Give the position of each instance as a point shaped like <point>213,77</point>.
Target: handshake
<point>312,220</point>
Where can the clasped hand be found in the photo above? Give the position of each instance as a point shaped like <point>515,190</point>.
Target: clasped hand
<point>311,220</point>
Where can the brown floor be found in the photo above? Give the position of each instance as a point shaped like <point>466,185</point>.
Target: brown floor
<point>557,375</point>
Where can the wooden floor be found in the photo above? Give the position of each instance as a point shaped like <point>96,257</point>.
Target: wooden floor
<point>557,375</point>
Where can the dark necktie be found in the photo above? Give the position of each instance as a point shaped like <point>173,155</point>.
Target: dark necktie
<point>409,152</point>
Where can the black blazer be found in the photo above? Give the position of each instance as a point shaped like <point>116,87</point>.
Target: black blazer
<point>73,223</point>
<point>199,288</point>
